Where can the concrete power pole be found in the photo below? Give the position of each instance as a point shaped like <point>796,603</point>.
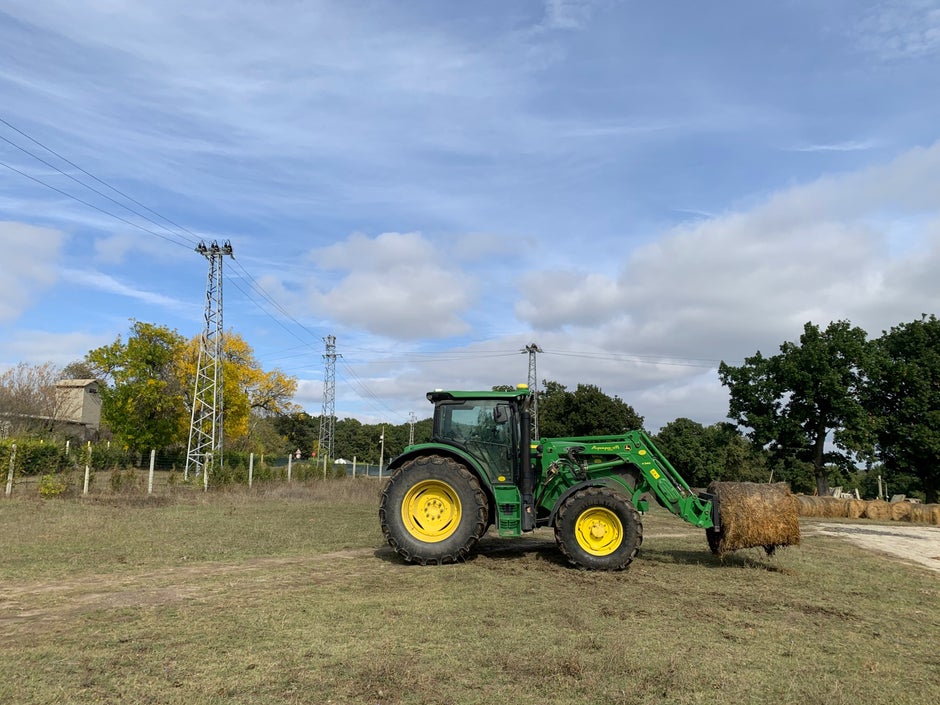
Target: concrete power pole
<point>204,451</point>
<point>328,412</point>
<point>534,349</point>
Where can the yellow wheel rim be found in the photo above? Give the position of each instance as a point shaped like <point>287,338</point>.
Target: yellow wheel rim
<point>431,511</point>
<point>599,531</point>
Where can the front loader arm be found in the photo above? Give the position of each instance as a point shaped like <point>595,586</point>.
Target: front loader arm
<point>597,457</point>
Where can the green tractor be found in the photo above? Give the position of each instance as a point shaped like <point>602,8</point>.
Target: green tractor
<point>482,469</point>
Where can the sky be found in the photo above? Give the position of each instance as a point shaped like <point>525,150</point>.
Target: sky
<point>641,189</point>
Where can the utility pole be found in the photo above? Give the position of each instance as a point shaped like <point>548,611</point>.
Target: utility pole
<point>204,451</point>
<point>411,428</point>
<point>533,350</point>
<point>328,412</point>
<point>382,451</point>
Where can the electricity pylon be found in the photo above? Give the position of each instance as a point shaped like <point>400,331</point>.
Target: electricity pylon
<point>204,451</point>
<point>328,413</point>
<point>533,349</point>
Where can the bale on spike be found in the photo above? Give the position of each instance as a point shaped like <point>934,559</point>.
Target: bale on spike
<point>878,509</point>
<point>753,514</point>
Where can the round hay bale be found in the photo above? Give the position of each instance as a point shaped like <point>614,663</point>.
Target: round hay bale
<point>901,511</point>
<point>754,514</point>
<point>805,505</point>
<point>833,508</point>
<point>878,509</point>
<point>926,513</point>
<point>856,508</point>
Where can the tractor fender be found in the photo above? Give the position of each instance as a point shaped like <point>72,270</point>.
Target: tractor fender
<point>447,451</point>
<point>608,481</point>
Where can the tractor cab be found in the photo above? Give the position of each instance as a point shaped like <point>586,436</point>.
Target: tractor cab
<point>485,425</point>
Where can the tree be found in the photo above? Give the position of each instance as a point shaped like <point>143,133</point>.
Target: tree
<point>28,399</point>
<point>141,394</point>
<point>249,393</point>
<point>795,401</point>
<point>903,398</point>
<point>705,453</point>
<point>587,411</point>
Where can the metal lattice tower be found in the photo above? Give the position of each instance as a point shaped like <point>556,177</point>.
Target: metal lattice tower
<point>412,418</point>
<point>328,413</point>
<point>533,349</point>
<point>204,452</point>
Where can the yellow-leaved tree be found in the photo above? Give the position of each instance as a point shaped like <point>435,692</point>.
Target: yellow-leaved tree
<point>250,393</point>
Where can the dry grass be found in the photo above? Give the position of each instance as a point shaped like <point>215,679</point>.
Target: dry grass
<point>253,598</point>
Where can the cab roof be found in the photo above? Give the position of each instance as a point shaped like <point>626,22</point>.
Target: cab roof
<point>442,395</point>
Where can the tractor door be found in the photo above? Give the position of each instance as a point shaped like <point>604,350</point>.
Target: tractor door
<point>484,428</point>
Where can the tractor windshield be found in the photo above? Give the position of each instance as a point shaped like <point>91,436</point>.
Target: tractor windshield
<point>483,427</point>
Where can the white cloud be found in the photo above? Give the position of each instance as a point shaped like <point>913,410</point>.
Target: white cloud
<point>567,14</point>
<point>901,29</point>
<point>30,256</point>
<point>848,146</point>
<point>396,285</point>
<point>731,284</point>
<point>37,346</point>
<point>108,284</point>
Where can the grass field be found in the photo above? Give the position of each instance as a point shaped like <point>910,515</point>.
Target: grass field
<point>289,596</point>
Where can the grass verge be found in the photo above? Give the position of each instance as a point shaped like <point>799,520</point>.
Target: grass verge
<point>290,597</point>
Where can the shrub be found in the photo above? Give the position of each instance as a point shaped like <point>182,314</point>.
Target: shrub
<point>123,480</point>
<point>108,458</point>
<point>33,457</point>
<point>53,485</point>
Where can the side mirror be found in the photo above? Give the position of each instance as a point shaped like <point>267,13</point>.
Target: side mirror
<point>501,414</point>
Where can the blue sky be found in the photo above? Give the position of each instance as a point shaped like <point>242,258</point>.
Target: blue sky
<point>643,189</point>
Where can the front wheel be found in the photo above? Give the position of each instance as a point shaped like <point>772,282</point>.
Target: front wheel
<point>433,510</point>
<point>599,529</point>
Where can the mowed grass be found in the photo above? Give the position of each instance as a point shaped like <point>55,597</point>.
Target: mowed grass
<point>290,596</point>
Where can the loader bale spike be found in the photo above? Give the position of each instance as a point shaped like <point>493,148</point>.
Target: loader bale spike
<point>753,515</point>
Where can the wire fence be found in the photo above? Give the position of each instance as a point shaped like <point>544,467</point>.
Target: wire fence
<point>50,469</point>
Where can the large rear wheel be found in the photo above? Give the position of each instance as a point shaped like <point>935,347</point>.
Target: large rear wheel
<point>599,529</point>
<point>433,510</point>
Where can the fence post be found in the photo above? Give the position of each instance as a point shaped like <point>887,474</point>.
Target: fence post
<point>10,473</point>
<point>354,467</point>
<point>205,472</point>
<point>289,459</point>
<point>87,478</point>
<point>153,459</point>
<point>251,468</point>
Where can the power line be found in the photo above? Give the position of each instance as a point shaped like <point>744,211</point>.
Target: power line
<point>92,176</point>
<point>90,188</point>
<point>92,205</point>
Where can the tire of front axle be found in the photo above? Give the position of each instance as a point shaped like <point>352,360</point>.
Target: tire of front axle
<point>598,528</point>
<point>433,510</point>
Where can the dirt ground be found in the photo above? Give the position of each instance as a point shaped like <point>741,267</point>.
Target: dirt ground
<point>912,542</point>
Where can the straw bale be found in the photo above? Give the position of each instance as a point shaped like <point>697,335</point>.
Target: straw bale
<point>833,508</point>
<point>901,511</point>
<point>754,514</point>
<point>805,505</point>
<point>878,510</point>
<point>856,508</point>
<point>926,513</point>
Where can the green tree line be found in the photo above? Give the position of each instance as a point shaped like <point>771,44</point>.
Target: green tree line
<point>830,408</point>
<point>835,399</point>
